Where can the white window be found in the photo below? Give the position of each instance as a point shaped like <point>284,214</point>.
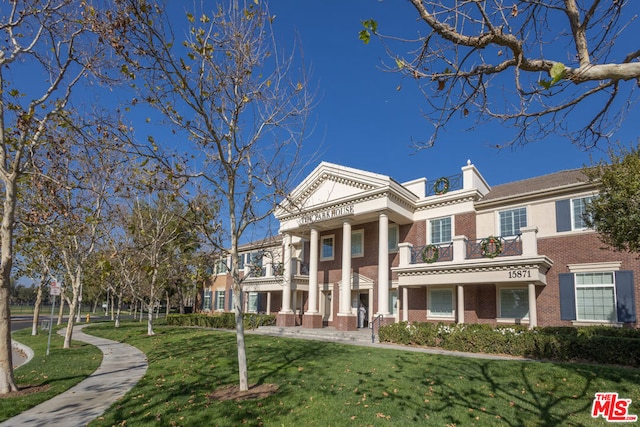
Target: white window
<point>579,212</point>
<point>206,301</point>
<point>440,303</point>
<point>513,303</point>
<point>393,302</point>
<point>327,247</point>
<point>511,221</point>
<point>253,302</point>
<point>440,230</point>
<point>219,300</point>
<point>357,243</point>
<point>394,237</point>
<point>595,297</point>
<point>221,266</point>
<point>241,260</point>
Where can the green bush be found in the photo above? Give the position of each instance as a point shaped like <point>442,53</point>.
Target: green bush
<point>220,320</point>
<point>396,333</point>
<point>595,344</point>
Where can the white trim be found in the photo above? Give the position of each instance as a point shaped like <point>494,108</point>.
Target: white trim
<point>397,242</point>
<point>361,233</point>
<point>499,317</point>
<point>497,218</point>
<point>429,229</point>
<point>453,303</point>
<point>595,267</point>
<point>333,247</point>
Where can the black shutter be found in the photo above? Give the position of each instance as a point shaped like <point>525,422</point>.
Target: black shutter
<point>563,215</point>
<point>625,296</point>
<point>567,296</point>
<point>230,303</point>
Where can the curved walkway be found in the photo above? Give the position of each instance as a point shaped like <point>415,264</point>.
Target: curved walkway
<point>122,367</point>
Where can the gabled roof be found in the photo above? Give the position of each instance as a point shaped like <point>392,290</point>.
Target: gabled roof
<point>332,182</point>
<point>563,180</point>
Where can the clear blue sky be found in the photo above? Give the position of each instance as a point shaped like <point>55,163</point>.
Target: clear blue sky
<point>362,121</point>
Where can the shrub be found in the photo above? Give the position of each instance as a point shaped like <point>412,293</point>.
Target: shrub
<point>220,320</point>
<point>398,333</point>
<point>596,344</point>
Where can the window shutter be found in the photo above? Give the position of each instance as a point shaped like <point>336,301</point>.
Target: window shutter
<point>230,303</point>
<point>567,296</point>
<point>563,215</point>
<point>625,298</point>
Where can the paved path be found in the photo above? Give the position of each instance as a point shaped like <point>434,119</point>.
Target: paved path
<point>122,367</point>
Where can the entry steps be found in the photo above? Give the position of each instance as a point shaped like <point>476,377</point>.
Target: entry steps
<point>328,333</point>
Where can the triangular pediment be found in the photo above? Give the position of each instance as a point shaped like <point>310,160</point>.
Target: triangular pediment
<point>329,183</point>
<point>358,281</point>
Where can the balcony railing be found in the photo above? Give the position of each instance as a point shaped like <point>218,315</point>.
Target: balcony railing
<point>488,247</point>
<point>492,247</point>
<point>444,184</point>
<point>432,253</point>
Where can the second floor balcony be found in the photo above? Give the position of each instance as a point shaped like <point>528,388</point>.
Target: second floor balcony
<point>462,249</point>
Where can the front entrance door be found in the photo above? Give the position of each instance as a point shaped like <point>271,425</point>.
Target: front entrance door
<point>326,307</point>
<point>363,310</point>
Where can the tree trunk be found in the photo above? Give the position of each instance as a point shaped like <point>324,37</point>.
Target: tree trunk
<point>119,310</point>
<point>61,309</point>
<point>112,307</point>
<point>150,319</point>
<point>36,311</point>
<point>7,379</point>
<point>70,321</point>
<point>76,286</point>
<point>242,354</point>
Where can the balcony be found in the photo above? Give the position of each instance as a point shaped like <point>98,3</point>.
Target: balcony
<point>463,249</point>
<point>275,270</point>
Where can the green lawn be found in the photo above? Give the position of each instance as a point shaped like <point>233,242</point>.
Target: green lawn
<point>52,374</point>
<point>328,384</point>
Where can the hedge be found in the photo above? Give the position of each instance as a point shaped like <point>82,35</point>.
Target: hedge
<point>221,320</point>
<point>594,344</point>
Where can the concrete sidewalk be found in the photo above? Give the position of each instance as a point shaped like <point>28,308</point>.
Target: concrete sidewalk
<point>122,367</point>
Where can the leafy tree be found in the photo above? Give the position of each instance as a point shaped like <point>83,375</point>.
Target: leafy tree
<point>228,93</point>
<point>615,212</point>
<point>46,52</point>
<point>559,64</point>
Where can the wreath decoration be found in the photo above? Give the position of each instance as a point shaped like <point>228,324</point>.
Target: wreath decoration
<point>435,253</point>
<point>491,247</point>
<point>441,186</point>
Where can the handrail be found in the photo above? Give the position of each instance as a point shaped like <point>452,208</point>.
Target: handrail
<point>379,318</point>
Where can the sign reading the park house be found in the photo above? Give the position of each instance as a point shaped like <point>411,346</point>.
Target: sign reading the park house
<point>326,215</point>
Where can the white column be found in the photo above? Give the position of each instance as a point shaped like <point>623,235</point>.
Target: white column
<point>345,292</point>
<point>460,304</point>
<point>533,310</point>
<point>405,304</point>
<point>529,241</point>
<point>313,272</point>
<point>286,278</point>
<point>268,302</point>
<point>383,265</point>
<point>294,301</point>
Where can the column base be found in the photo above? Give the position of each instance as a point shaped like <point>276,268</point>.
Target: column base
<point>312,321</point>
<point>286,319</point>
<point>346,322</point>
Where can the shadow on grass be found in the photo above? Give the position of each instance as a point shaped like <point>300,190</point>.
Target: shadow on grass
<point>335,384</point>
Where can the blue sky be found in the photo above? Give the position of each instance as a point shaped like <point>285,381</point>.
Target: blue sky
<point>362,121</point>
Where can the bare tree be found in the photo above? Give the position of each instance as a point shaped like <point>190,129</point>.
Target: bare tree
<point>238,102</point>
<point>157,228</point>
<point>44,55</point>
<point>540,66</point>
